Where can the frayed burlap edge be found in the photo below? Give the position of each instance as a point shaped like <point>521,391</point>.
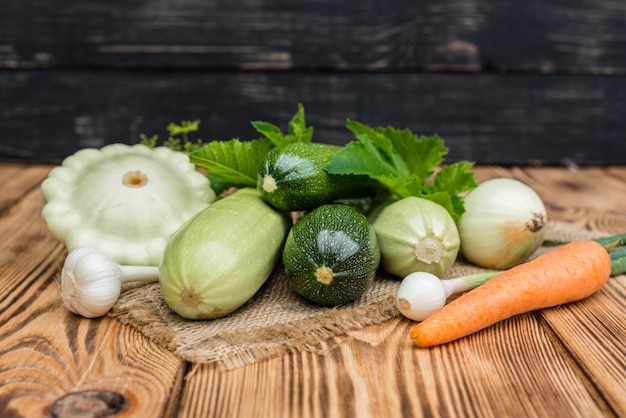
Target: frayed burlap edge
<point>240,338</point>
<point>276,321</point>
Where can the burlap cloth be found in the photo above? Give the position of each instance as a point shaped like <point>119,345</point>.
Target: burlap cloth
<point>275,321</point>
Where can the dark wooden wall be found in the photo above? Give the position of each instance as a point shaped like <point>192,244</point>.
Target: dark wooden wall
<point>508,81</point>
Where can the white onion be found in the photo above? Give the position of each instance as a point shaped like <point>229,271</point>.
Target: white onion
<point>422,293</point>
<point>503,223</point>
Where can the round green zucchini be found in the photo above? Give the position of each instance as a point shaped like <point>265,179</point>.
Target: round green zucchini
<point>331,255</point>
<point>292,178</point>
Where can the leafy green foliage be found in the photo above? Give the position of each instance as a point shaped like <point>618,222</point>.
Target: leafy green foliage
<point>231,163</point>
<point>407,165</point>
<point>178,139</point>
<point>235,163</point>
<point>297,130</point>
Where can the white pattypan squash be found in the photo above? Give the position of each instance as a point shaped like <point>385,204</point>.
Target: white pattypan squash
<point>125,200</point>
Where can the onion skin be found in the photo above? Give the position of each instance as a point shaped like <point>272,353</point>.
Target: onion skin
<point>503,224</point>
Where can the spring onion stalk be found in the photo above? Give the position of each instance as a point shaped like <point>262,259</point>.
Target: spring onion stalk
<point>618,261</point>
<point>614,240</point>
<point>609,242</point>
<point>91,281</point>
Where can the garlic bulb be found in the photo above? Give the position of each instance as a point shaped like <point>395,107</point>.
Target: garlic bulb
<point>503,223</point>
<point>91,281</point>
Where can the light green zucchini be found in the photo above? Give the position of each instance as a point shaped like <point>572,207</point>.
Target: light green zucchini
<point>221,257</point>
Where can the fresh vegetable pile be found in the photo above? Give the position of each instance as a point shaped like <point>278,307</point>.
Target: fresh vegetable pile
<point>211,221</point>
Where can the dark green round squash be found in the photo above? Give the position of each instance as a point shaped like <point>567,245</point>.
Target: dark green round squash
<point>331,255</point>
<point>292,178</point>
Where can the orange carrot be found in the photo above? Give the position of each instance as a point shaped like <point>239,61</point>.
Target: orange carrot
<point>566,274</point>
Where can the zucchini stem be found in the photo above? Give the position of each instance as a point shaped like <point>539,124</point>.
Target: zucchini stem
<point>430,249</point>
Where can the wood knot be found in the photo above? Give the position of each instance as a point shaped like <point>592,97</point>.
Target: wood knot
<point>88,404</point>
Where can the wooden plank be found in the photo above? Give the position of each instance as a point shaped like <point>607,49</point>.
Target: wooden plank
<point>489,119</point>
<point>380,373</point>
<point>583,36</point>
<point>17,179</point>
<point>530,365</point>
<point>568,358</point>
<point>47,353</point>
<point>599,322</point>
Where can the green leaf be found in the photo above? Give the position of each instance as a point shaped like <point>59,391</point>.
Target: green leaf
<point>455,178</point>
<point>298,132</point>
<point>232,163</point>
<point>370,157</point>
<point>444,199</point>
<point>422,155</point>
<point>407,165</point>
<point>383,143</point>
<point>270,131</point>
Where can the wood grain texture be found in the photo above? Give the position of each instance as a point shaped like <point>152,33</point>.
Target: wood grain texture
<point>504,82</point>
<point>569,358</point>
<point>366,377</point>
<point>593,333</point>
<point>16,179</point>
<point>46,352</point>
<point>489,119</point>
<point>582,36</point>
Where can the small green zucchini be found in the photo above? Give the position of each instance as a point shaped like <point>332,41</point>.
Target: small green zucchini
<point>292,178</point>
<point>221,257</point>
<point>331,255</point>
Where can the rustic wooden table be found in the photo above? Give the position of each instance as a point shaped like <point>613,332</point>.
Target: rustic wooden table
<point>569,360</point>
